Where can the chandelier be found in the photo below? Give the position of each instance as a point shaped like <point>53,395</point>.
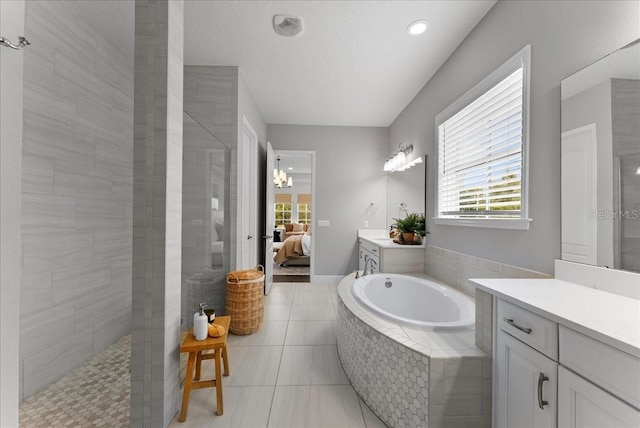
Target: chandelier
<point>280,177</point>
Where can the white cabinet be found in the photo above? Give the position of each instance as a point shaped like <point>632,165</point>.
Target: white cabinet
<point>585,363</point>
<point>368,250</point>
<point>592,337</point>
<point>526,385</point>
<point>526,379</point>
<point>391,258</point>
<point>582,404</point>
<point>548,375</point>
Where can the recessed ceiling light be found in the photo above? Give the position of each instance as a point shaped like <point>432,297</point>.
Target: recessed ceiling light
<point>418,27</point>
<point>290,169</point>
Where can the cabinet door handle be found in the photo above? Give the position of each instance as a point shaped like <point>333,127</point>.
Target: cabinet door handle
<point>512,323</point>
<point>541,402</point>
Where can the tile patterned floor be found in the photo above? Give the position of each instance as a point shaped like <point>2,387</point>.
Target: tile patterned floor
<point>95,394</point>
<point>285,375</point>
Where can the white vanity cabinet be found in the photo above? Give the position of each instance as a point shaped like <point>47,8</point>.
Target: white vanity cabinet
<point>564,355</point>
<point>585,363</point>
<point>390,257</point>
<point>526,369</point>
<point>371,251</point>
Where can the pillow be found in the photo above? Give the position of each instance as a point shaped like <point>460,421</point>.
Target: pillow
<point>297,227</point>
<point>308,230</point>
<point>288,227</point>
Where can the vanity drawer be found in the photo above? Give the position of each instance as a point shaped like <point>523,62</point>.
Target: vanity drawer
<point>611,369</point>
<point>369,246</point>
<point>534,330</point>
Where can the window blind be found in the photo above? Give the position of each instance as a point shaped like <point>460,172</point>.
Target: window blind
<point>283,198</point>
<point>304,198</point>
<point>480,154</point>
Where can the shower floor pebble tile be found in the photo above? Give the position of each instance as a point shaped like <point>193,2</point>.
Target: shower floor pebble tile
<point>95,394</point>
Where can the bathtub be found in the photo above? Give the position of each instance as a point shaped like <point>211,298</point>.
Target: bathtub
<point>408,375</point>
<point>416,302</point>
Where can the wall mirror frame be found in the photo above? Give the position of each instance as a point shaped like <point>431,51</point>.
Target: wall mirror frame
<point>600,162</point>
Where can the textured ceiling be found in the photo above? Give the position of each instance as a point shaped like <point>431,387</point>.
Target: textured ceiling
<point>353,64</point>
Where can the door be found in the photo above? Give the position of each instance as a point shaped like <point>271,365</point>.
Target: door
<point>247,165</point>
<point>270,220</point>
<point>582,404</point>
<point>526,383</point>
<point>579,173</point>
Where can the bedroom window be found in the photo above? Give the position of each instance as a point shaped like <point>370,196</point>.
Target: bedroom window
<point>482,142</point>
<point>303,208</point>
<point>283,213</point>
<point>304,213</point>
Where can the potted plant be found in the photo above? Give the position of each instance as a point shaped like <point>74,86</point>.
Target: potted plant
<point>413,223</point>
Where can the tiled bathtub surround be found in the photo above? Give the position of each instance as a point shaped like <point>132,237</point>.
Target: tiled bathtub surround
<point>455,269</point>
<point>411,377</point>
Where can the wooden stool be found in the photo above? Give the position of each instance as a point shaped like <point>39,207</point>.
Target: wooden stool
<point>197,352</point>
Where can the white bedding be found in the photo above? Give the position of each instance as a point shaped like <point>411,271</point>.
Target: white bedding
<point>306,244</point>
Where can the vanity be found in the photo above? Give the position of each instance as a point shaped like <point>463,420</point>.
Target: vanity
<point>564,354</point>
<point>388,256</point>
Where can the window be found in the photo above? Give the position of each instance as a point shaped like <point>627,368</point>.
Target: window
<point>304,213</point>
<point>282,208</point>
<point>304,208</point>
<point>482,151</point>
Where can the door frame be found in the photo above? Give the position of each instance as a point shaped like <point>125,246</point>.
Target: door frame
<point>248,152</point>
<point>314,230</point>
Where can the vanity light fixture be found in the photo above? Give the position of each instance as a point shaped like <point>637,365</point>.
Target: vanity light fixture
<point>399,162</point>
<point>418,27</point>
<point>638,171</point>
<point>280,177</point>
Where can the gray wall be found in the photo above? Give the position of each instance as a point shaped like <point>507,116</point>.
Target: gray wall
<point>348,178</point>
<point>77,183</point>
<point>565,37</point>
<point>11,70</point>
<point>157,231</point>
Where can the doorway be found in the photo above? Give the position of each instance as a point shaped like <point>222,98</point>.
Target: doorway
<point>293,208</point>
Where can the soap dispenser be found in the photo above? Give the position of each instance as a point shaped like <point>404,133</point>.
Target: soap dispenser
<point>200,323</point>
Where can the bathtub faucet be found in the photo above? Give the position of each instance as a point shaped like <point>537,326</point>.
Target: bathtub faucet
<point>374,264</point>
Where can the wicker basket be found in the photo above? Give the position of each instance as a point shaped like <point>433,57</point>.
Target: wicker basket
<point>245,300</point>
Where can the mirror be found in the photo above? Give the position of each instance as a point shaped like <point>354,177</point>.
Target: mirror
<point>600,162</point>
<point>406,192</point>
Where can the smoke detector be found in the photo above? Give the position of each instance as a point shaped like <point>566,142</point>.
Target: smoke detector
<point>288,26</point>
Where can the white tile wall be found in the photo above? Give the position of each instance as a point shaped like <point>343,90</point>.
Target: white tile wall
<point>77,183</point>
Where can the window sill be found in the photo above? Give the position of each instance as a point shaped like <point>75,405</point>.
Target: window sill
<point>489,223</point>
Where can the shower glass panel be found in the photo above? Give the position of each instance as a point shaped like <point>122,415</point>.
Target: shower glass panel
<point>205,227</point>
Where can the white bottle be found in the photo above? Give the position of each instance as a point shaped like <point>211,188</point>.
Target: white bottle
<point>200,324</point>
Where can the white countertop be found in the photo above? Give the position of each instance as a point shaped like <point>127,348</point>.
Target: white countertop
<point>604,316</point>
<point>382,240</point>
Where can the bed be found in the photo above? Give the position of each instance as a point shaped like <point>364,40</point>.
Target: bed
<point>294,251</point>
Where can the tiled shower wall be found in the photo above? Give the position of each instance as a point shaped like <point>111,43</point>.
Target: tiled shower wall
<point>76,195</point>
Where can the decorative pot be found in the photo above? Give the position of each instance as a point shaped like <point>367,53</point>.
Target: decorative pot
<point>407,236</point>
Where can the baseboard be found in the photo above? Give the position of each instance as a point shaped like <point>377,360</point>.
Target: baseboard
<point>327,279</point>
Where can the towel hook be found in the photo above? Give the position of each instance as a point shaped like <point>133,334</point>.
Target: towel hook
<point>22,43</point>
